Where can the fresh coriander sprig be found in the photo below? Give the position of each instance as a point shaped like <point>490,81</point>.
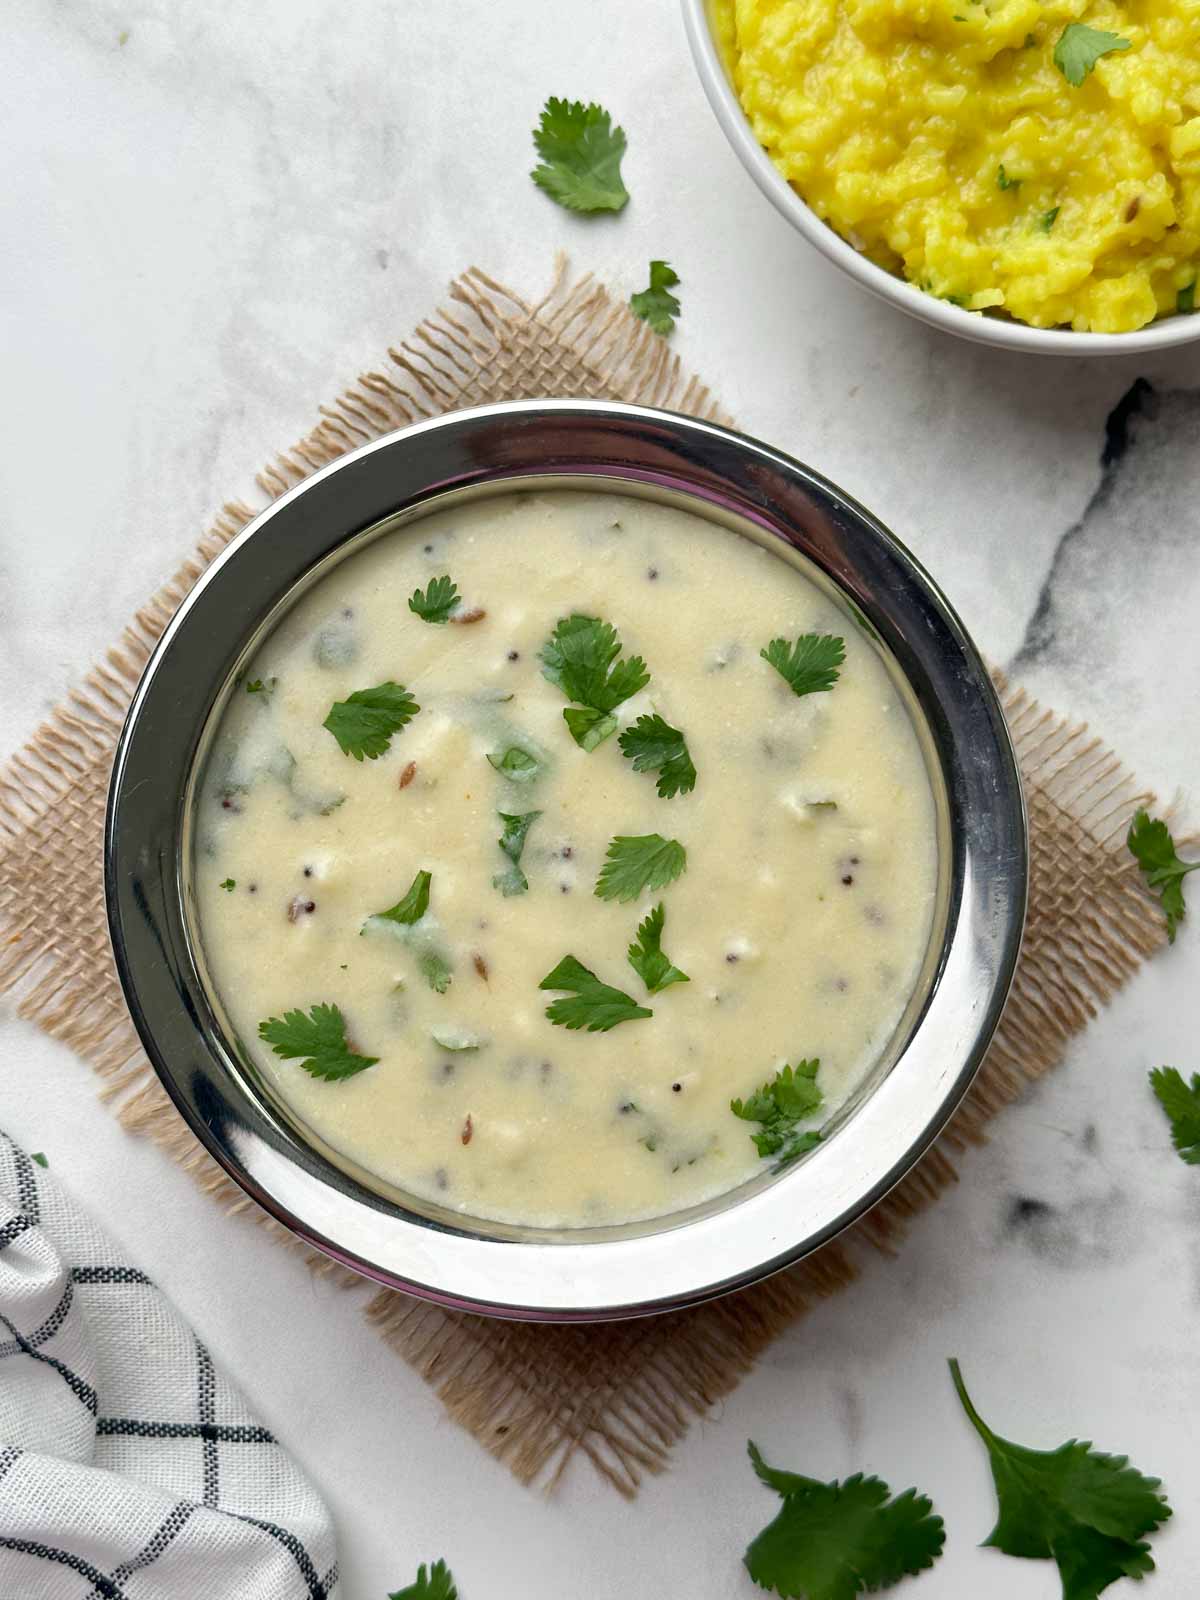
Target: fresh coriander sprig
<point>593,1005</point>
<point>580,154</point>
<point>580,658</point>
<point>1181,1102</point>
<point>412,907</point>
<point>1085,1511</point>
<point>512,842</point>
<point>779,1106</point>
<point>1080,47</point>
<point>317,1039</point>
<point>646,954</point>
<point>436,603</point>
<point>1150,842</point>
<point>655,746</point>
<point>637,862</point>
<point>364,723</point>
<point>810,664</point>
<point>657,305</point>
<point>832,1541</point>
<point>436,1584</point>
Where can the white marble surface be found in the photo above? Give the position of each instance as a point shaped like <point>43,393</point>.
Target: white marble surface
<point>195,225</point>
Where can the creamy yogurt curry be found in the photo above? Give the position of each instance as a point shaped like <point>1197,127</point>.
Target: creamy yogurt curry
<point>564,857</point>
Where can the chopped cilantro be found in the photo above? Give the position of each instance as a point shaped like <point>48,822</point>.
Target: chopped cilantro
<point>1181,1102</point>
<point>832,1541</point>
<point>1003,181</point>
<point>1085,1511</point>
<point>437,602</point>
<point>262,686</point>
<point>1047,220</point>
<point>229,884</point>
<point>1080,47</point>
<point>592,1004</point>
<point>654,746</point>
<point>317,1040</point>
<point>580,154</point>
<point>791,1096</point>
<point>580,658</point>
<point>436,1584</point>
<point>412,907</point>
<point>364,724</point>
<point>435,969</point>
<point>638,862</point>
<point>810,664</point>
<point>1153,848</point>
<point>646,954</point>
<point>39,1157</point>
<point>657,305</point>
<point>456,1039</point>
<point>512,842</point>
<point>516,764</point>
<point>1185,300</point>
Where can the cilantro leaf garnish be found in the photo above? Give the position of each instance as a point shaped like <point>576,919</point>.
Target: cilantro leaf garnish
<point>437,1584</point>
<point>646,954</point>
<point>437,602</point>
<point>40,1157</point>
<point>580,658</point>
<point>791,1096</point>
<point>262,686</point>
<point>516,764</point>
<point>1003,181</point>
<point>228,884</point>
<point>512,842</point>
<point>1181,1101</point>
<point>1085,1511</point>
<point>1185,300</point>
<point>1047,220</point>
<point>657,305</point>
<point>581,156</point>
<point>1080,47</point>
<point>592,1004</point>
<point>832,1541</point>
<point>1152,846</point>
<point>637,862</point>
<point>654,746</point>
<point>435,969</point>
<point>413,906</point>
<point>810,664</point>
<point>316,1039</point>
<point>364,724</point>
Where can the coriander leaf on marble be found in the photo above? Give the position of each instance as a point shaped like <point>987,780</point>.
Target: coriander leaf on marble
<point>656,304</point>
<point>834,1541</point>
<point>512,842</point>
<point>412,907</point>
<point>790,1097</point>
<point>580,154</point>
<point>317,1039</point>
<point>435,1584</point>
<point>580,658</point>
<point>637,862</point>
<point>646,954</point>
<point>1086,1511</point>
<point>653,745</point>
<point>364,723</point>
<point>1150,842</point>
<point>593,1004</point>
<point>1080,47</point>
<point>437,601</point>
<point>810,663</point>
<point>1181,1102</point>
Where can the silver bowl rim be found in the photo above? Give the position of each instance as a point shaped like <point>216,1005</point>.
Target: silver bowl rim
<point>1164,333</point>
<point>678,1262</point>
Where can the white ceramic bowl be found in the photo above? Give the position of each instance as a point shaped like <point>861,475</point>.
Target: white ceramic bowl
<point>984,329</point>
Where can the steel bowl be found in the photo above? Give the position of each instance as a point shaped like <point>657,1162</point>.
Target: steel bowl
<point>982,327</point>
<point>601,1272</point>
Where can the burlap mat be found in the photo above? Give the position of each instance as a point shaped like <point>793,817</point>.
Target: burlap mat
<point>535,1396</point>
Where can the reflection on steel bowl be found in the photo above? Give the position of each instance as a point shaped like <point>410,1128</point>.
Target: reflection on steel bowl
<point>200,799</point>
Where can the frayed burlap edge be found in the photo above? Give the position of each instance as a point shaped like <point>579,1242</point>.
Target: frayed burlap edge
<point>623,1395</point>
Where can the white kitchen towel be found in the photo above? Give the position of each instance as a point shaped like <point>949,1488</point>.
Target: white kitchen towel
<point>130,1468</point>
